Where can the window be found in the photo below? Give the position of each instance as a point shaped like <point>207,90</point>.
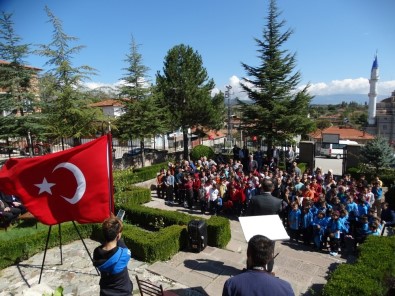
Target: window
<point>338,146</point>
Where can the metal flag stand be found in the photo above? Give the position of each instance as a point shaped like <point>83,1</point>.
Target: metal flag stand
<point>60,247</point>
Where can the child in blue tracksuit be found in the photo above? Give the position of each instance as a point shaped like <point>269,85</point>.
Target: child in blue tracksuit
<point>352,210</point>
<point>307,225</point>
<point>333,232</point>
<point>112,259</point>
<point>294,220</point>
<point>319,226</point>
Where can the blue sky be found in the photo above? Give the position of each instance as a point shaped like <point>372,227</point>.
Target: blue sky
<point>335,40</point>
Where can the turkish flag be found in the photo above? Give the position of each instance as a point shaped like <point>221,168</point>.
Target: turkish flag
<point>72,185</point>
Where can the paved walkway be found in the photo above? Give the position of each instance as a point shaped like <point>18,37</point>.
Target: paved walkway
<point>186,273</point>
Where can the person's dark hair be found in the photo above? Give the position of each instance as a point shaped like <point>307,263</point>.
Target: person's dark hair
<point>260,250</point>
<point>111,227</point>
<point>267,185</point>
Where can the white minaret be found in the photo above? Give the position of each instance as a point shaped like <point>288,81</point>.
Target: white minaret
<point>374,78</point>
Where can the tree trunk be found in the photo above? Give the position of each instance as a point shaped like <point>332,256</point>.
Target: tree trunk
<point>186,144</point>
<point>142,152</point>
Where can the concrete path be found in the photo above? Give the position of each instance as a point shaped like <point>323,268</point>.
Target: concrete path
<point>187,273</point>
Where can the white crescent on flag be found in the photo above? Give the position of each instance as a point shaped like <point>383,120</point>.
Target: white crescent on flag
<point>79,177</point>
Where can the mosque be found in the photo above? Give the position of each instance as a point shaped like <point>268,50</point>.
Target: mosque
<point>381,115</point>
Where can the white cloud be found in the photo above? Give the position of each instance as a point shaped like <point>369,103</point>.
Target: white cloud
<point>114,86</point>
<point>93,85</point>
<point>235,91</point>
<point>345,86</point>
<point>350,86</point>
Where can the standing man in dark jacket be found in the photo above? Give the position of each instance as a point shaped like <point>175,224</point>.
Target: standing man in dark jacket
<point>265,204</point>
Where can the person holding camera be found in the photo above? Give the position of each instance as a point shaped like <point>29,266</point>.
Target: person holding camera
<point>112,258</point>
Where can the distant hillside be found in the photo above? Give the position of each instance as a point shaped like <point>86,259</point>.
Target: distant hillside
<point>338,99</point>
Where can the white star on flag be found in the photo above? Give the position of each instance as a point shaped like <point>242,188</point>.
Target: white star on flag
<point>45,186</point>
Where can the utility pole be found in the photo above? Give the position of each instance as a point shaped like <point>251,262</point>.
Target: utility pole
<point>227,95</point>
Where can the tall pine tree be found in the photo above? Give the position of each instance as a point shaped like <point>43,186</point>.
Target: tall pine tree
<point>186,92</point>
<point>378,153</point>
<point>17,100</point>
<point>142,117</point>
<point>67,109</point>
<point>278,111</point>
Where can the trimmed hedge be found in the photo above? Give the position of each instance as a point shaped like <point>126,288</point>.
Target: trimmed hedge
<point>150,246</point>
<point>218,228</point>
<point>157,245</point>
<point>124,179</point>
<point>372,274</point>
<point>134,196</point>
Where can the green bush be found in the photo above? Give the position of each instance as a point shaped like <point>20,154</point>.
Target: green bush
<point>123,179</point>
<point>144,216</point>
<point>151,246</point>
<point>148,245</point>
<point>372,274</point>
<point>385,175</point>
<point>134,196</point>
<point>200,151</point>
<point>219,231</point>
<point>218,227</point>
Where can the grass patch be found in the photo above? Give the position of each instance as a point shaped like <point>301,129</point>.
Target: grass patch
<point>25,228</point>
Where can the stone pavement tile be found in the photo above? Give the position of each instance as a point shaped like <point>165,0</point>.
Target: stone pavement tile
<point>195,279</point>
<point>235,246</point>
<point>298,289</point>
<point>292,275</point>
<point>209,250</point>
<point>309,268</point>
<point>163,269</point>
<point>178,259</point>
<point>209,269</point>
<point>216,286</point>
<point>188,265</point>
<point>231,259</point>
<point>305,266</point>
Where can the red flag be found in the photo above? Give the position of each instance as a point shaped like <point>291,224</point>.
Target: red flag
<point>72,185</point>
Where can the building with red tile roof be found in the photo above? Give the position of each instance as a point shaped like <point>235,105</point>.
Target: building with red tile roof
<point>344,132</point>
<point>110,107</point>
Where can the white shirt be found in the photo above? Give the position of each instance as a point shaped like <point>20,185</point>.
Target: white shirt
<point>213,194</point>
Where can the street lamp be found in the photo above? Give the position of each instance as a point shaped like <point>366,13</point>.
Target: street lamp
<point>227,95</point>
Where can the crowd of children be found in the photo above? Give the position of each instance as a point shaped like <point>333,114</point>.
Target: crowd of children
<point>317,210</point>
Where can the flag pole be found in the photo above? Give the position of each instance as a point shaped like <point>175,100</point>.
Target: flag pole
<point>45,253</point>
<point>46,248</point>
<point>86,248</point>
<point>60,245</point>
<point>110,176</point>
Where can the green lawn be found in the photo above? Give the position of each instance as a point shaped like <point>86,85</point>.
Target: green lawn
<point>25,228</point>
